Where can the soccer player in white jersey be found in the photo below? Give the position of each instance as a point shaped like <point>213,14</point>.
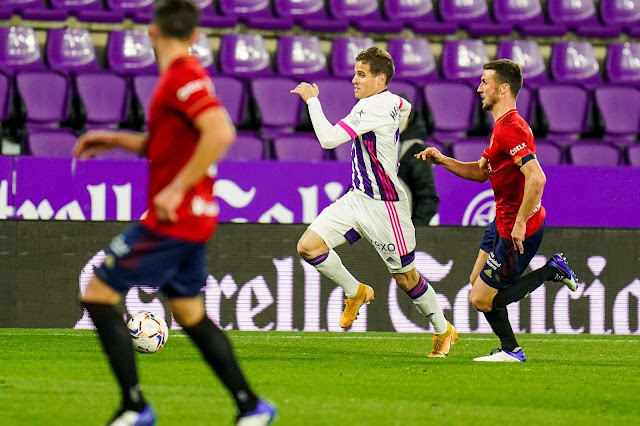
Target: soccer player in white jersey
<point>376,206</point>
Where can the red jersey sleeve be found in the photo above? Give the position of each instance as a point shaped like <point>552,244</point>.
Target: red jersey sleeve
<point>517,141</point>
<point>193,93</point>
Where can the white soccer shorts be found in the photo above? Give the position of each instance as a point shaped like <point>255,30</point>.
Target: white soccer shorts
<point>386,224</point>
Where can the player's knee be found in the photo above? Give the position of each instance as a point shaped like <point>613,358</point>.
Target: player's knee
<point>304,249</point>
<point>479,303</point>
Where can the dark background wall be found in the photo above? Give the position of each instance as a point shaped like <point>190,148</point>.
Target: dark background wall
<point>259,282</point>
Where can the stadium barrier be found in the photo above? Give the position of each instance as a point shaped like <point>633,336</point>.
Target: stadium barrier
<point>259,282</point>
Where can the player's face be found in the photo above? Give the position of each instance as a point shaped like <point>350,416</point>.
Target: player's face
<point>488,90</point>
<point>366,84</point>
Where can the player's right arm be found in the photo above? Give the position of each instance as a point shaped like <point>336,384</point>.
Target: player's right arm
<point>96,141</point>
<point>477,171</point>
<point>330,136</point>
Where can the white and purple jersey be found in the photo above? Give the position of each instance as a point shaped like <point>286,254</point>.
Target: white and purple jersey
<point>374,124</point>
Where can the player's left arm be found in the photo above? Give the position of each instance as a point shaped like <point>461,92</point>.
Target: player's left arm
<point>535,180</point>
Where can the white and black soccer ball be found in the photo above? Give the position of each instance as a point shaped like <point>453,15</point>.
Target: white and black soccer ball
<point>149,332</point>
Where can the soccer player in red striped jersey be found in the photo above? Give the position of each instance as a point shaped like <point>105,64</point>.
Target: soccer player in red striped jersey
<point>511,241</point>
<point>189,132</point>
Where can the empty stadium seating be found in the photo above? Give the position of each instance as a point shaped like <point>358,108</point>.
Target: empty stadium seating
<point>570,97</point>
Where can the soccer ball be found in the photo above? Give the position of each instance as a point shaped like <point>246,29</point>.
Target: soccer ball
<point>148,331</point>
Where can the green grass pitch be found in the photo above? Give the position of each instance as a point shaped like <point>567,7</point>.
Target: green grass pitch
<point>60,377</point>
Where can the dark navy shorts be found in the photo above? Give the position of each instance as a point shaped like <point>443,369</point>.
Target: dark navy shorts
<point>505,264</point>
<point>142,257</point>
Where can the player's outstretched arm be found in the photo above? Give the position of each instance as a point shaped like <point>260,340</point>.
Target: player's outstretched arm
<point>216,135</point>
<point>476,171</point>
<point>329,135</point>
<point>96,141</point>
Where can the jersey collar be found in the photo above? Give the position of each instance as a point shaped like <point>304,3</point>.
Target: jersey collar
<point>505,114</point>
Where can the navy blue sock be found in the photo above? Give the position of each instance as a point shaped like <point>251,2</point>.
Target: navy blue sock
<point>217,351</point>
<point>116,342</point>
<point>499,322</point>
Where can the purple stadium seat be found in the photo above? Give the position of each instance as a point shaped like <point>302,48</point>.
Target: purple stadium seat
<point>143,87</point>
<point>131,7</point>
<point>201,49</point>
<point>623,63</point>
<point>53,143</point>
<point>575,62</point>
<point>634,155</point>
<point>547,153</point>
<point>99,15</point>
<point>18,6</point>
<point>45,95</point>
<point>580,16</point>
<point>527,16</point>
<point>105,96</point>
<point>413,60</point>
<point>594,153</point>
<point>474,16</point>
<point>365,15</point>
<point>280,111</point>
<point>244,55</point>
<point>566,108</point>
<point>344,52</point>
<point>620,109</point>
<point>71,50</point>
<point>337,98</point>
<point>302,147</point>
<point>19,50</point>
<point>5,92</point>
<point>525,53</point>
<point>131,52</point>
<point>453,107</point>
<point>256,13</point>
<point>310,14</point>
<point>412,93</point>
<point>301,57</point>
<point>35,10</point>
<point>621,13</point>
<point>247,147</point>
<point>233,95</point>
<point>462,60</point>
<point>468,150</point>
<point>75,6</point>
<point>419,14</point>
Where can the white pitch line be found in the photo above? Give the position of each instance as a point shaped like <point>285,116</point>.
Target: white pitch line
<point>319,335</point>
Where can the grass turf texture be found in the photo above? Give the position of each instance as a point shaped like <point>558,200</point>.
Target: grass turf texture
<point>60,377</point>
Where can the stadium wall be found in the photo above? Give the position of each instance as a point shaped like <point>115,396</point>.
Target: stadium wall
<point>259,282</point>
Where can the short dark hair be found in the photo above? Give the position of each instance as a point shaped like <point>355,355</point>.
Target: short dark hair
<point>508,72</point>
<point>379,61</point>
<point>176,18</point>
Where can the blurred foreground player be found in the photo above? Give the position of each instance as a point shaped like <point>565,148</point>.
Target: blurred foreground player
<point>189,131</point>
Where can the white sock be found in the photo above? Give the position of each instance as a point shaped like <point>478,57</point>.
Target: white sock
<point>427,303</point>
<point>330,265</point>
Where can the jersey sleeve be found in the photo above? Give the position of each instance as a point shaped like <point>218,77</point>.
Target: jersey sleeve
<point>192,93</point>
<point>516,141</point>
<point>363,118</point>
